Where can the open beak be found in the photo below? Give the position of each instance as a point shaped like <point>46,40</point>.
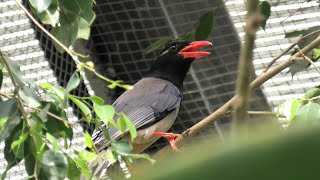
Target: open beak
<point>191,51</point>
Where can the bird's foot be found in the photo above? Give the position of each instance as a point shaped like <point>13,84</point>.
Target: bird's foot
<point>170,137</point>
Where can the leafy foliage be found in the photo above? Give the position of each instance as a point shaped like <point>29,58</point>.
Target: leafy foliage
<point>33,125</point>
<point>265,10</point>
<point>200,31</point>
<point>70,20</point>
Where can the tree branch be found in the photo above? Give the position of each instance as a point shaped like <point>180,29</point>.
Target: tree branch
<point>245,69</point>
<point>224,109</point>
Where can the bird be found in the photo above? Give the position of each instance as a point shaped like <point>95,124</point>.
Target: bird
<point>153,103</point>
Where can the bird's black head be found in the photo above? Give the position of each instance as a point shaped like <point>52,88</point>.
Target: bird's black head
<point>175,59</point>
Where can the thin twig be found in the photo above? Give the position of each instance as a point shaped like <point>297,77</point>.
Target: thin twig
<point>309,60</point>
<point>288,49</point>
<point>8,96</point>
<point>224,109</point>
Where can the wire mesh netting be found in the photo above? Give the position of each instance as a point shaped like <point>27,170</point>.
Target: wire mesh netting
<point>286,16</point>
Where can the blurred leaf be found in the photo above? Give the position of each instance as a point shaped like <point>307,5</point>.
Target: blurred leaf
<point>50,16</point>
<point>59,91</point>
<point>131,127</point>
<point>187,36</point>
<point>205,26</point>
<point>87,156</point>
<point>289,108</point>
<point>11,123</point>
<point>73,171</point>
<point>157,44</point>
<point>306,41</point>
<point>73,82</point>
<point>111,156</point>
<point>44,111</point>
<point>82,106</point>
<point>138,156</point>
<point>112,86</point>
<point>316,53</point>
<point>17,146</point>
<point>309,113</point>
<point>265,10</point>
<point>88,141</point>
<point>29,97</point>
<point>81,8</point>
<point>293,34</point>
<point>56,127</point>
<point>54,165</point>
<point>105,113</point>
<point>40,5</point>
<point>29,163</point>
<point>7,110</point>
<point>314,92</point>
<point>84,29</point>
<point>122,146</point>
<point>53,142</point>
<point>121,124</point>
<point>105,133</point>
<point>16,72</point>
<point>84,168</point>
<point>95,99</point>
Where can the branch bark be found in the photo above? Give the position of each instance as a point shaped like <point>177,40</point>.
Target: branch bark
<point>224,109</point>
<point>245,69</point>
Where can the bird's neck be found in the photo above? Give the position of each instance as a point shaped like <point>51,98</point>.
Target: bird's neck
<point>173,72</point>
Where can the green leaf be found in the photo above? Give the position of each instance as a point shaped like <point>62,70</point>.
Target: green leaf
<point>73,171</point>
<point>57,90</point>
<point>138,156</point>
<point>95,99</point>
<point>121,124</point>
<point>265,11</point>
<point>131,127</point>
<point>73,82</point>
<point>306,41</point>
<point>88,141</point>
<point>29,97</point>
<point>87,156</point>
<point>81,8</point>
<point>293,34</point>
<point>112,86</point>
<point>205,26</point>
<point>314,92</point>
<point>40,5</point>
<point>111,156</point>
<point>187,36</point>
<point>7,109</point>
<point>105,113</point>
<point>17,145</point>
<point>53,142</point>
<point>84,168</point>
<point>84,29</point>
<point>11,123</point>
<point>121,146</point>
<point>157,44</point>
<point>44,111</point>
<point>315,54</point>
<point>56,127</point>
<point>289,108</point>
<point>82,106</point>
<point>50,16</point>
<point>54,165</point>
<point>16,72</point>
<point>307,114</point>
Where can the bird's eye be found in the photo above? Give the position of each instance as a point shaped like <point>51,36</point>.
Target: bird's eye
<point>173,48</point>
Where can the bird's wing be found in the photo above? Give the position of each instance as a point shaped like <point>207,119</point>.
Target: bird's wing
<point>149,101</point>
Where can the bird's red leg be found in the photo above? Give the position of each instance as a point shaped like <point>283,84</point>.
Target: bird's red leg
<point>170,137</point>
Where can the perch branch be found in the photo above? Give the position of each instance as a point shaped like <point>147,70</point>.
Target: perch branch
<point>224,109</point>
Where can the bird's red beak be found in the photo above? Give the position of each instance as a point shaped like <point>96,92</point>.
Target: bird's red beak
<point>191,51</point>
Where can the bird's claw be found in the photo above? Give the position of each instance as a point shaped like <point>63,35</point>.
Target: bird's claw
<point>170,137</point>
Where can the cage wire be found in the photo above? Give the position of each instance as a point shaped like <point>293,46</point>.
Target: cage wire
<point>123,29</point>
<point>286,16</point>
